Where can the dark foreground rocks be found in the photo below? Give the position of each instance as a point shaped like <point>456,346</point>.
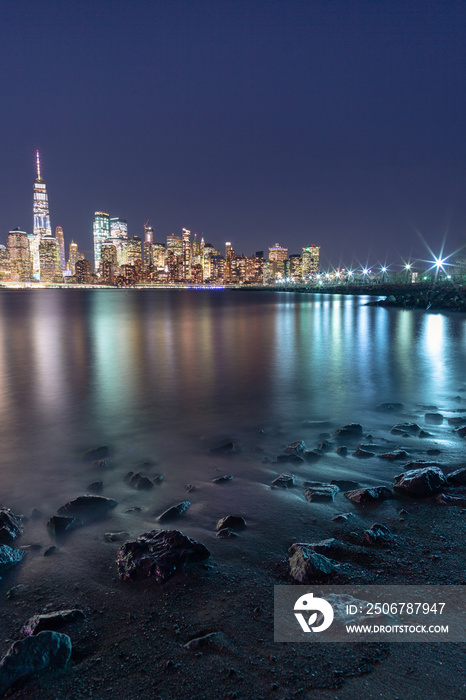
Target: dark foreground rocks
<point>63,524</point>
<point>138,481</point>
<point>369,495</point>
<point>174,511</point>
<point>88,507</point>
<point>52,620</point>
<point>234,522</point>
<point>34,654</point>
<point>9,557</point>
<point>420,482</point>
<point>10,526</point>
<point>158,555</point>
<point>307,566</point>
<point>321,492</point>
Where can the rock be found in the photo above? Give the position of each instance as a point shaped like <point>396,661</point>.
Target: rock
<point>225,448</point>
<point>226,532</point>
<point>389,407</point>
<point>420,482</point>
<point>290,457</point>
<point>345,484</point>
<point>158,555</point>
<point>434,451</point>
<point>138,481</point>
<point>33,654</point>
<point>461,431</point>
<point>424,434</point>
<point>457,478</point>
<point>52,620</point>
<point>364,454</point>
<point>306,565</point>
<point>401,428</point>
<point>200,642</point>
<point>10,526</point>
<point>9,557</point>
<point>190,487</point>
<point>317,424</point>
<point>351,430</point>
<point>36,514</point>
<point>298,446</point>
<point>311,456</point>
<point>61,524</point>
<point>222,479</point>
<point>378,534</point>
<point>323,492</point>
<point>456,420</point>
<point>88,507</point>
<point>96,454</point>
<point>444,500</point>
<point>341,517</point>
<point>120,536</point>
<point>173,512</point>
<point>96,486</point>
<point>434,418</point>
<point>326,446</point>
<point>396,454</point>
<point>342,450</point>
<point>330,548</point>
<point>236,522</point>
<point>134,509</point>
<point>51,550</point>
<point>285,481</point>
<point>369,495</point>
<point>14,592</point>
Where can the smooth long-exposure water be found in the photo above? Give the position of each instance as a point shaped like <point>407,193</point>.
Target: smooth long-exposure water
<point>162,376</point>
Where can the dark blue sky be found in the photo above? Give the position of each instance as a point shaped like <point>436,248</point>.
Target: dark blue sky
<point>330,122</point>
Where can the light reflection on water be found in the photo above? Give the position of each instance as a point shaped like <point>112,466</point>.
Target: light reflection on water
<point>82,368</point>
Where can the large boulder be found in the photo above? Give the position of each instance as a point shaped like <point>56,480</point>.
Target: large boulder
<point>350,430</point>
<point>306,566</point>
<point>433,418</point>
<point>298,446</point>
<point>9,557</point>
<point>396,454</point>
<point>378,534</point>
<point>284,481</point>
<point>158,555</point>
<point>370,494</point>
<point>63,524</point>
<point>88,507</point>
<point>401,428</point>
<point>420,482</point>
<point>33,654</point>
<point>10,525</point>
<point>234,522</point>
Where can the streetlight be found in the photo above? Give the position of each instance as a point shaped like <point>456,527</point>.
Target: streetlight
<point>407,268</point>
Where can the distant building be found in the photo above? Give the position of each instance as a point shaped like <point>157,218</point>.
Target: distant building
<point>19,256</point>
<point>42,228</point>
<point>310,258</point>
<point>50,261</point>
<point>277,256</point>
<point>187,254</point>
<point>5,264</point>
<point>61,245</point>
<point>101,230</point>
<point>73,257</point>
<point>133,250</point>
<point>296,266</point>
<point>83,271</point>
<point>118,227</point>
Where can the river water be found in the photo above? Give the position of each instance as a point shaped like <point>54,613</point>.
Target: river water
<point>161,376</point>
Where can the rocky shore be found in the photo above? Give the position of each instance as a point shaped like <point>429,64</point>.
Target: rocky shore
<point>101,600</point>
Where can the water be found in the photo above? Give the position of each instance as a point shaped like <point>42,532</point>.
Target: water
<point>162,376</point>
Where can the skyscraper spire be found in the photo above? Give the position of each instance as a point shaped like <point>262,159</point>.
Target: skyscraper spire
<point>38,165</point>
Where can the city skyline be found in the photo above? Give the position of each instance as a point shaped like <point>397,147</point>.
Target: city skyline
<point>290,122</point>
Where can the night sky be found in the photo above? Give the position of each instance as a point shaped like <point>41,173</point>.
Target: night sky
<point>337,123</point>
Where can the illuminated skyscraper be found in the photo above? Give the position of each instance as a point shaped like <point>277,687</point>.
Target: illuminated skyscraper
<point>133,250</point>
<point>310,259</point>
<point>101,232</point>
<point>61,245</point>
<point>41,218</point>
<point>118,227</point>
<point>50,262</point>
<point>277,256</point>
<point>18,248</point>
<point>73,257</point>
<point>186,254</point>
<point>175,245</point>
<point>148,245</point>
